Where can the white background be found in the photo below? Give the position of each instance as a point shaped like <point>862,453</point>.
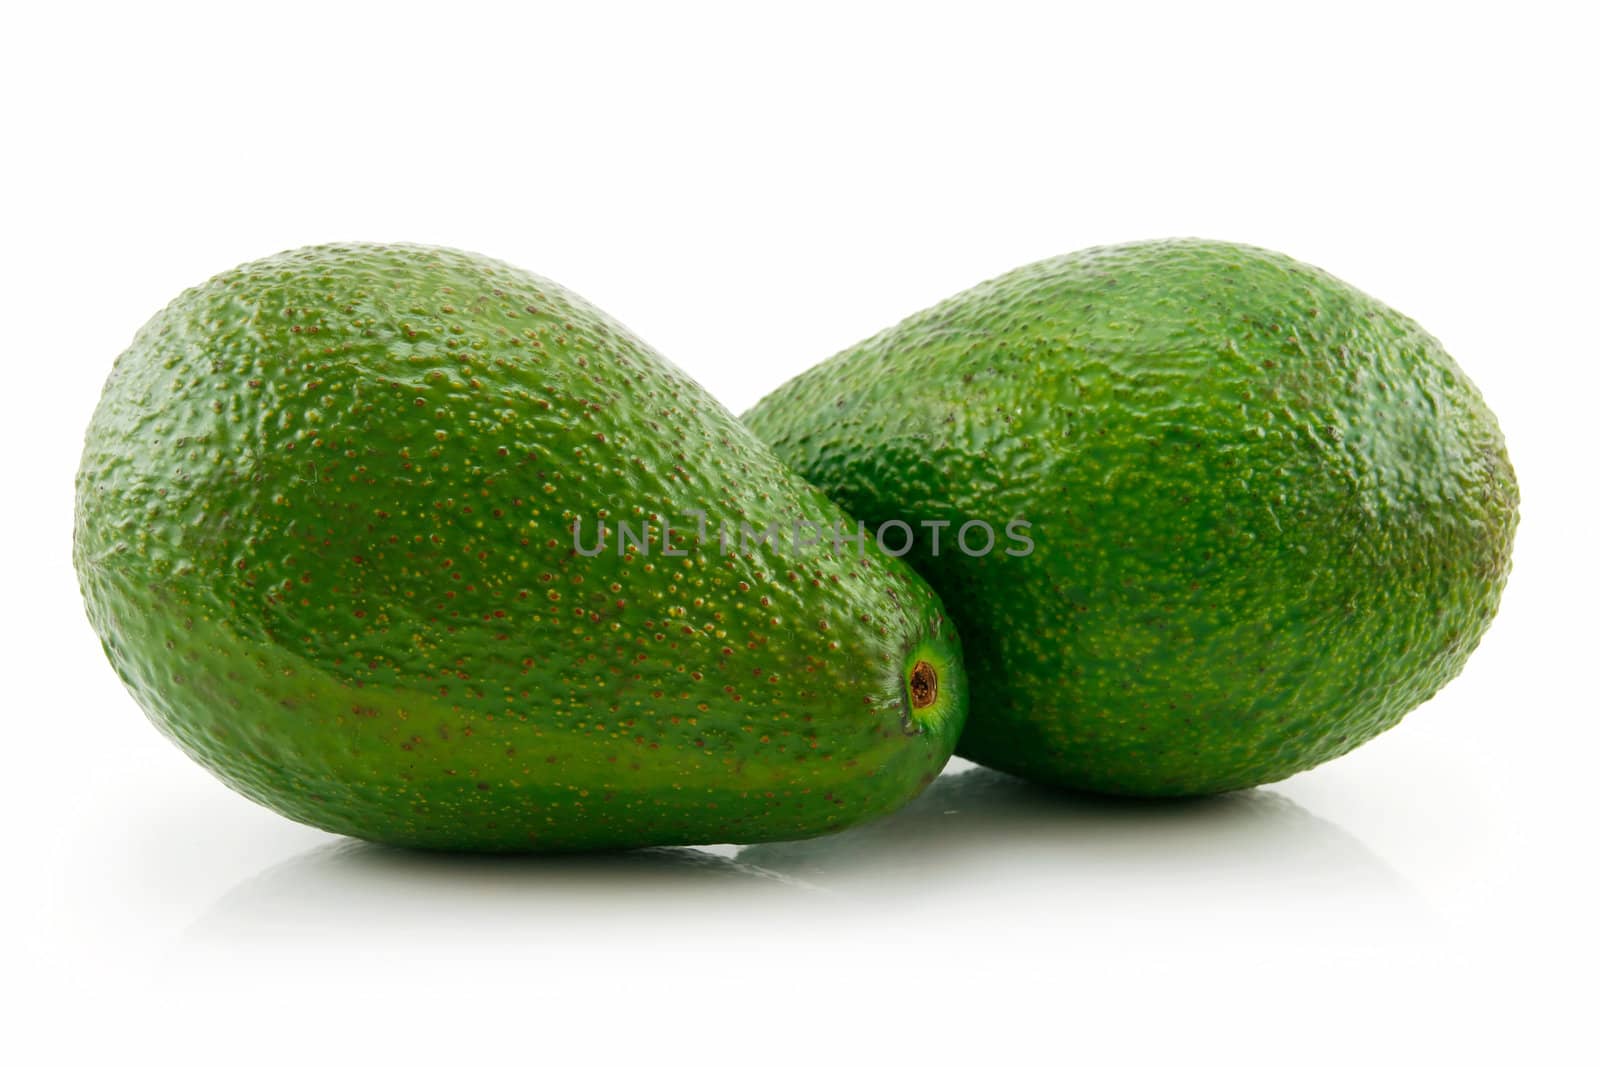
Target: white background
<point>751,191</point>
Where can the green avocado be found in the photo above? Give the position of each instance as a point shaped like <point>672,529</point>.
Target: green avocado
<point>339,528</point>
<point>1245,516</point>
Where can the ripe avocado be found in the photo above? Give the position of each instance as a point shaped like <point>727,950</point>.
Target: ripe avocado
<point>1270,514</point>
<point>337,528</point>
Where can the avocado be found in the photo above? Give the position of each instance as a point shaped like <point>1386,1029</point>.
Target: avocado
<point>414,546</point>
<point>1257,515</point>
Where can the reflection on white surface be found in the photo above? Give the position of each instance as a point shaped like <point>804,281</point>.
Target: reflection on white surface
<point>352,883</point>
<point>989,854</point>
<point>977,820</point>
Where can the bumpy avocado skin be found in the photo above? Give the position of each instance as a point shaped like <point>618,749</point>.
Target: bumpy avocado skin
<point>1271,515</point>
<point>324,531</point>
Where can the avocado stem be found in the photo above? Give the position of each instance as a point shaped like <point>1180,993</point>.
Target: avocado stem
<point>924,685</point>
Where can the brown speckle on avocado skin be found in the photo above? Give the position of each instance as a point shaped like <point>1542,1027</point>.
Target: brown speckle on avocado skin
<point>306,545</point>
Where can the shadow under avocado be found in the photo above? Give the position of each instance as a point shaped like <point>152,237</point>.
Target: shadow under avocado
<point>355,886</point>
<point>975,839</point>
<point>978,824</point>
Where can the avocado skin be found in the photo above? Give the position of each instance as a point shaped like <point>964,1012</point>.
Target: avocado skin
<point>324,531</point>
<point>1271,514</point>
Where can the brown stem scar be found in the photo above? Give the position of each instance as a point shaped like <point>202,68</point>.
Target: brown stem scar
<point>924,685</point>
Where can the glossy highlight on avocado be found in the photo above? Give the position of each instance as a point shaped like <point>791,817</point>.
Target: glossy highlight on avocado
<point>324,530</point>
<point>1271,514</point>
